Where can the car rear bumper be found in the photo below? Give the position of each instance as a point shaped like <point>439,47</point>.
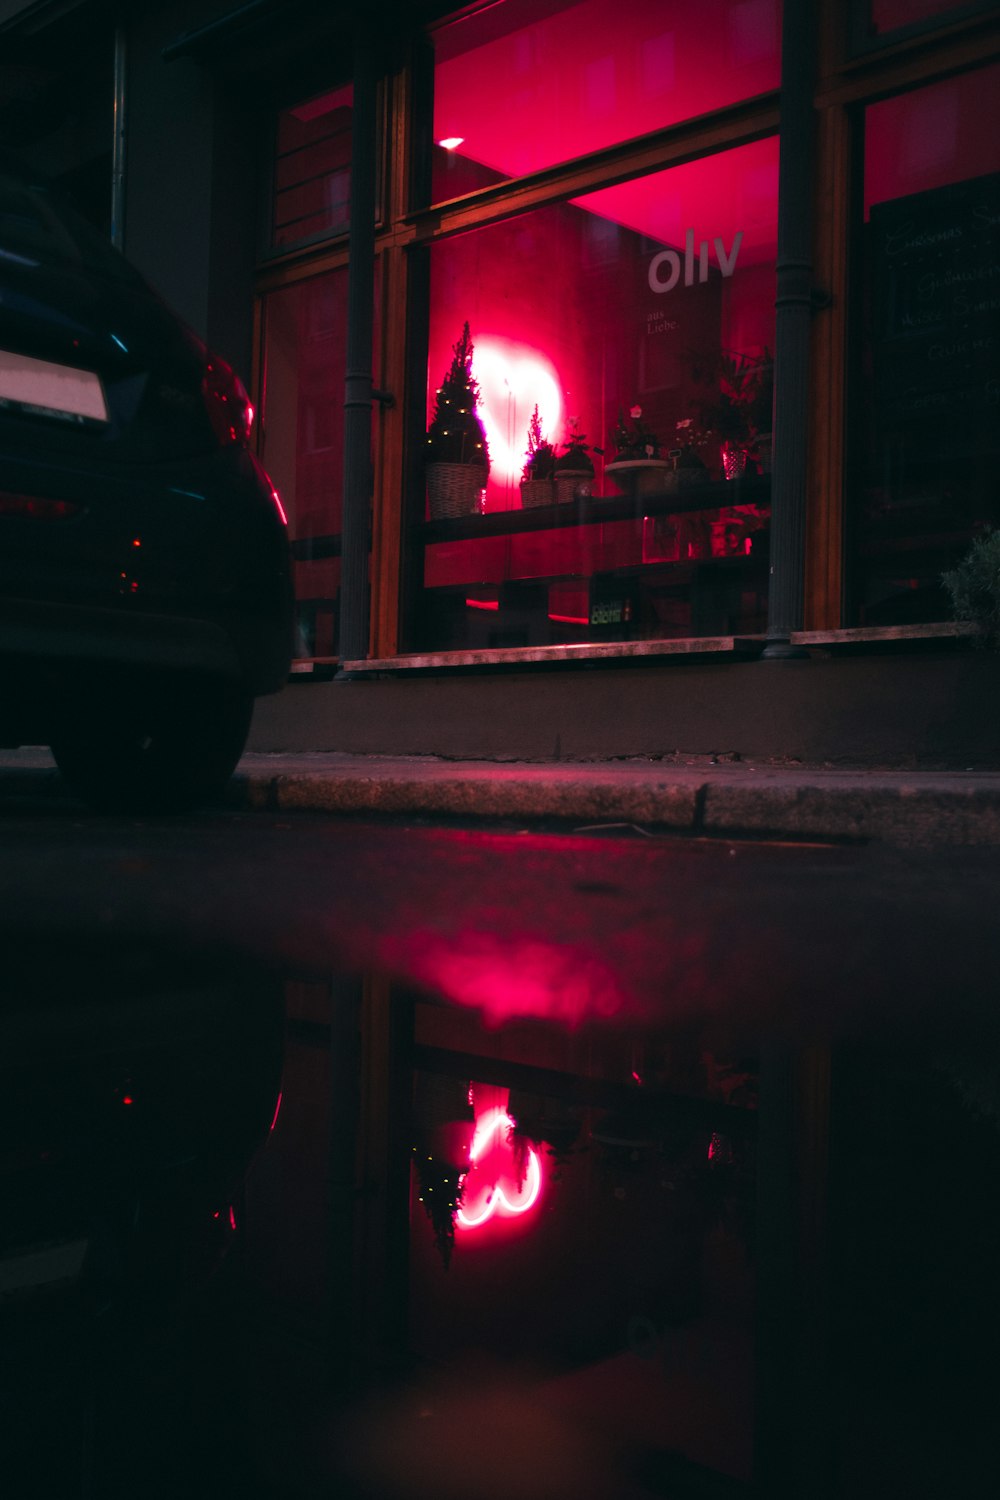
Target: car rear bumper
<point>149,577</point>
<point>75,636</point>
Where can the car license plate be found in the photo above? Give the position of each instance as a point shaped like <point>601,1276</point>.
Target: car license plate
<point>41,1268</point>
<point>43,389</point>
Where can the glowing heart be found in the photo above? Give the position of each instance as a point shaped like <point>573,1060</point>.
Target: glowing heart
<point>490,1185</point>
<point>513,380</point>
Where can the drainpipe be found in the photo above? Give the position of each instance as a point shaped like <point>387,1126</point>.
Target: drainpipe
<point>793,313</point>
<point>118,144</point>
<point>357,472</point>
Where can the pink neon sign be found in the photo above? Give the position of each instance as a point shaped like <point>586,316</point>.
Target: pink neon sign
<point>491,1184</point>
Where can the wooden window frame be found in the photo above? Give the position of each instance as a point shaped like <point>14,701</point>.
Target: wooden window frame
<point>847,82</point>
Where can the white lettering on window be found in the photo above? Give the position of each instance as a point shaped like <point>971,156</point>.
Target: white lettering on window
<point>665,266</point>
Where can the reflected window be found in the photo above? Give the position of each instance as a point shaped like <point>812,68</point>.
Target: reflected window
<point>602,1248</point>
<point>626,334</point>
<point>312,170</point>
<point>890,20</point>
<point>529,83</point>
<point>302,423</point>
<point>926,427</point>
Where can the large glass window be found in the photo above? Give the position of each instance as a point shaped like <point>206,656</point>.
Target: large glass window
<point>312,170</point>
<point>528,83</point>
<point>927,424</point>
<point>637,323</point>
<point>302,444</point>
<point>878,20</point>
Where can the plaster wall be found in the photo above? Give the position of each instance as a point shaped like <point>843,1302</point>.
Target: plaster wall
<point>940,709</point>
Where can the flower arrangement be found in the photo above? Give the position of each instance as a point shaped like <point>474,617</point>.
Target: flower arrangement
<point>540,457</point>
<point>456,434</point>
<point>740,412</point>
<point>632,438</point>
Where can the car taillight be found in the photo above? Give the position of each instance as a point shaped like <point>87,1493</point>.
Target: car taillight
<point>278,506</point>
<point>227,403</point>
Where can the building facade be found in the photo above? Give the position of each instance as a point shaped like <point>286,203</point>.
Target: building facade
<point>708,296</point>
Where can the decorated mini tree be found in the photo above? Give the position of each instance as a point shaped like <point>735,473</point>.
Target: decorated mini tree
<point>540,458</point>
<point>539,466</point>
<point>456,434</point>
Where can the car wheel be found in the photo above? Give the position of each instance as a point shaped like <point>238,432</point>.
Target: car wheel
<point>160,753</point>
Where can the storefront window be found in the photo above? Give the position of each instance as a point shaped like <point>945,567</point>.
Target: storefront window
<point>529,83</point>
<point>640,318</point>
<point>927,424</point>
<point>885,18</point>
<point>312,170</point>
<point>302,424</point>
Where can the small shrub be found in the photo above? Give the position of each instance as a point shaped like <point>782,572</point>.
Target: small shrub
<point>974,587</point>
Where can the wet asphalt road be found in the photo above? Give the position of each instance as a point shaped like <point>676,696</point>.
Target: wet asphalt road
<point>602,926</point>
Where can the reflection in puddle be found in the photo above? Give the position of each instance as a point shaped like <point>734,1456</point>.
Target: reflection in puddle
<point>136,1085</point>
<point>665,1259</point>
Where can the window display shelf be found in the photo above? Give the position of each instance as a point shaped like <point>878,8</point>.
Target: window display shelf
<point>715,495</point>
<point>676,573</point>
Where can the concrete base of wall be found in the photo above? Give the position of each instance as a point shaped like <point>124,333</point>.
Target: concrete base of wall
<point>936,708</point>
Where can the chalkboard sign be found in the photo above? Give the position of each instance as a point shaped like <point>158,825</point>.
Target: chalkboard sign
<point>936,312</point>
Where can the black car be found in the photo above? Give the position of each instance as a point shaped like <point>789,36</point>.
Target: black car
<point>145,593</point>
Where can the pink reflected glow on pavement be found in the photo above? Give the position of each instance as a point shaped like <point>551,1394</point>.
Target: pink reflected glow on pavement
<point>506,976</point>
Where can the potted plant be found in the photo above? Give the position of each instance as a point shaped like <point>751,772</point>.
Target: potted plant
<point>537,486</point>
<point>574,468</point>
<point>637,466</point>
<point>740,413</point>
<point>457,455</point>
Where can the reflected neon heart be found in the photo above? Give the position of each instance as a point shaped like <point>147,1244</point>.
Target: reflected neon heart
<point>489,1155</point>
<point>513,379</point>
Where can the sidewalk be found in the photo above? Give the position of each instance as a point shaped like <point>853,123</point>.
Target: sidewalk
<point>697,796</point>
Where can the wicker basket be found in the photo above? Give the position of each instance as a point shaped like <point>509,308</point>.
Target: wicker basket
<point>454,489</point>
<point>573,484</point>
<point>537,492</point>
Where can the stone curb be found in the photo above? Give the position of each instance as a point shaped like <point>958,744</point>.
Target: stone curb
<point>849,811</point>
<point>917,811</point>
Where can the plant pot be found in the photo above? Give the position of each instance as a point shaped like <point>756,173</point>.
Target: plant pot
<point>734,461</point>
<point>454,489</point>
<point>689,474</point>
<point>537,492</point>
<point>642,476</point>
<point>573,484</point>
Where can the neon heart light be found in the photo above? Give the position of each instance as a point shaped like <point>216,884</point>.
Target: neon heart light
<point>513,379</point>
<point>491,1161</point>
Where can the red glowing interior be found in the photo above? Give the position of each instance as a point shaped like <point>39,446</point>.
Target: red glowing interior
<point>529,83</point>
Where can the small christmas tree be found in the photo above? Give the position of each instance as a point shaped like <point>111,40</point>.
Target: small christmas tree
<point>540,458</point>
<point>456,434</point>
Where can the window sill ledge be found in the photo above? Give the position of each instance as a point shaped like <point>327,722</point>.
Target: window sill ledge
<point>733,646</point>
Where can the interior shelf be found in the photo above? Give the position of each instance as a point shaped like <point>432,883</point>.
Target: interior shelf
<point>597,509</point>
